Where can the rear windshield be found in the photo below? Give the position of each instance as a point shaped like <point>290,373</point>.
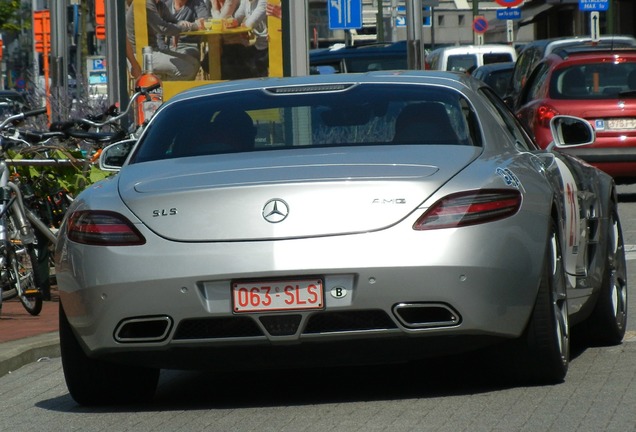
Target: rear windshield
<point>321,116</point>
<point>593,80</point>
<point>497,58</point>
<point>461,62</point>
<point>376,63</point>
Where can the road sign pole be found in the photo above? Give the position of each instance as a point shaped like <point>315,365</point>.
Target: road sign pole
<point>415,49</point>
<point>475,14</point>
<point>510,33</point>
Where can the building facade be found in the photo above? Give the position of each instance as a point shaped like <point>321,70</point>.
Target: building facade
<point>451,22</point>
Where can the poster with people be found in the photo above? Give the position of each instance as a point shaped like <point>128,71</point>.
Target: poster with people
<point>196,42</point>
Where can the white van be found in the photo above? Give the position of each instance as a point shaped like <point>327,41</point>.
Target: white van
<point>468,57</point>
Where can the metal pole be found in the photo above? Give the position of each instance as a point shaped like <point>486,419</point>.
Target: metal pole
<point>295,47</point>
<point>59,56</point>
<point>116,62</point>
<point>475,14</point>
<point>380,23</point>
<point>36,57</point>
<point>394,5</point>
<point>414,25</point>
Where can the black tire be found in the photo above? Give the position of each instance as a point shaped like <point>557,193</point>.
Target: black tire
<point>23,270</point>
<point>25,278</point>
<point>607,324</point>
<point>544,349</point>
<point>95,382</point>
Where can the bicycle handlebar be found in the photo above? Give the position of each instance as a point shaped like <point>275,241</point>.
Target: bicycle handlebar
<point>93,122</point>
<point>21,116</point>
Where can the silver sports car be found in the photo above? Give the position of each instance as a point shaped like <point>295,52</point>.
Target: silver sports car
<point>333,219</point>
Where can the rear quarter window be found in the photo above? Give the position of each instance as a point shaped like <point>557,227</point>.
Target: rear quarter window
<point>461,62</point>
<point>497,58</point>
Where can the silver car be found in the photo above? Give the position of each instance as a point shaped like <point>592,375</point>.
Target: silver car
<point>331,219</point>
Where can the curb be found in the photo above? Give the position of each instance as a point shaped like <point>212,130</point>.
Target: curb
<point>15,354</point>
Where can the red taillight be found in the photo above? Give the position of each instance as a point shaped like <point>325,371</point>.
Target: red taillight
<point>470,208</point>
<point>102,228</point>
<point>545,113</point>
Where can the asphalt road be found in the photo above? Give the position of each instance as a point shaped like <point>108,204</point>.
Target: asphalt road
<point>460,394</point>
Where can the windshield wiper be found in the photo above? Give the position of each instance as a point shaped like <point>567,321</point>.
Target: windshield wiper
<point>627,93</point>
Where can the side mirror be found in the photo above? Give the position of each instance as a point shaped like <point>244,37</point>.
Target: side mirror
<point>114,156</point>
<point>568,131</point>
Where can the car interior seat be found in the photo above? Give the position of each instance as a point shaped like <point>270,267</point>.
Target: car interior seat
<point>226,131</point>
<point>424,123</point>
<point>234,129</point>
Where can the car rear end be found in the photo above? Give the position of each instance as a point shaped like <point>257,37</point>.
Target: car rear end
<point>601,88</point>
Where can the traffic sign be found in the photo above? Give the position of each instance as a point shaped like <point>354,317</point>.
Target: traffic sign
<point>345,14</point>
<point>510,31</point>
<point>509,14</point>
<point>595,26</point>
<point>593,5</point>
<point>400,19</point>
<point>480,24</point>
<point>509,3</point>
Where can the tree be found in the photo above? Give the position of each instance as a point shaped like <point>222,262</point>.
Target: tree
<point>10,16</point>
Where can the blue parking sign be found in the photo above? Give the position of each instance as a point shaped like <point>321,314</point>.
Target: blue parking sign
<point>345,14</point>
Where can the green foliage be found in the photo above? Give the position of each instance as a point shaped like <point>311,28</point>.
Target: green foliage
<point>10,15</point>
<point>72,175</point>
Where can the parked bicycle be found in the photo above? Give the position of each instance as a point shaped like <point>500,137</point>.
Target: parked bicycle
<point>19,275</point>
<point>98,131</point>
<point>28,220</point>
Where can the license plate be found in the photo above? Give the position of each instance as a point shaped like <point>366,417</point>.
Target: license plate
<point>278,295</point>
<point>622,124</point>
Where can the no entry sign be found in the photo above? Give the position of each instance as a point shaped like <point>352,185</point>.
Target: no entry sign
<point>509,3</point>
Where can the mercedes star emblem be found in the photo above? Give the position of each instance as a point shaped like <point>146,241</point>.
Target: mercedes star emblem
<point>275,210</point>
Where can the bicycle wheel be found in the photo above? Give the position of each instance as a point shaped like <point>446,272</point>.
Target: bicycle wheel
<point>6,280</point>
<point>22,267</point>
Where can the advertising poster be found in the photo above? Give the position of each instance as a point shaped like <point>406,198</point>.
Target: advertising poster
<point>196,42</point>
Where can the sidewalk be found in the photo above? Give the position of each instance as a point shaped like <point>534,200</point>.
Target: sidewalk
<point>25,338</point>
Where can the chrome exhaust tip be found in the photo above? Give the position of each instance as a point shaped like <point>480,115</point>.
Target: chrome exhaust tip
<point>143,329</point>
<point>426,315</point>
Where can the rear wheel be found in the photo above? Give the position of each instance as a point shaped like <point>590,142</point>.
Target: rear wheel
<point>22,269</point>
<point>23,274</point>
<point>544,349</point>
<point>96,382</point>
<point>607,324</point>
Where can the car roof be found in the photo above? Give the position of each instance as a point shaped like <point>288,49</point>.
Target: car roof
<point>487,48</point>
<point>578,51</point>
<point>358,50</point>
<point>492,67</point>
<point>459,81</point>
<point>552,44</point>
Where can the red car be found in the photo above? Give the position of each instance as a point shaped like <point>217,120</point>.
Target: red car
<point>596,84</point>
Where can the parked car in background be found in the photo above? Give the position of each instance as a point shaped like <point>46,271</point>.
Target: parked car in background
<point>468,57</point>
<point>496,75</point>
<point>335,219</point>
<point>12,102</point>
<point>533,52</point>
<point>358,58</point>
<point>596,84</point>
